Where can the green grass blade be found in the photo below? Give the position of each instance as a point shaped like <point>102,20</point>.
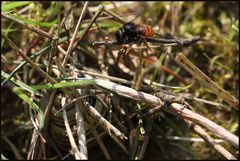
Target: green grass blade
<point>6,31</point>
<point>31,103</point>
<point>35,23</point>
<point>171,77</point>
<point>182,88</point>
<point>218,63</point>
<point>32,57</point>
<point>25,62</point>
<point>84,81</point>
<point>3,157</point>
<point>174,126</point>
<point>9,6</point>
<point>133,150</point>
<point>235,28</point>
<point>154,75</point>
<point>21,84</point>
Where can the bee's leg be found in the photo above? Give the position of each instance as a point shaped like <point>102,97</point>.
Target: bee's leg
<point>124,50</point>
<point>130,47</point>
<point>146,43</point>
<point>120,53</point>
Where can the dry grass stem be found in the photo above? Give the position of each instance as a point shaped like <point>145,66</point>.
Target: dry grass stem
<point>206,81</point>
<point>104,123</point>
<point>201,132</point>
<point>70,47</point>
<point>81,133</point>
<point>175,108</point>
<point>75,150</point>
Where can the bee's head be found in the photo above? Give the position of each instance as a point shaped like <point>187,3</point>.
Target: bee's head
<point>120,36</point>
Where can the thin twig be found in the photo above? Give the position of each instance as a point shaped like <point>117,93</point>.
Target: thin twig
<point>93,20</point>
<point>34,29</point>
<point>48,110</point>
<point>210,102</point>
<point>36,126</point>
<point>116,17</point>
<point>34,146</point>
<point>187,139</point>
<point>96,23</point>
<point>98,139</point>
<point>75,150</point>
<point>85,31</point>
<point>69,104</point>
<point>94,131</point>
<point>146,139</point>
<point>154,84</point>
<point>81,133</point>
<point>70,47</point>
<point>129,92</point>
<point>13,147</point>
<point>206,81</point>
<point>115,118</point>
<point>31,57</point>
<point>52,54</point>
<point>146,71</point>
<point>104,123</point>
<point>182,42</point>
<point>221,132</point>
<point>174,108</point>
<point>31,45</point>
<point>201,132</point>
<point>117,79</point>
<point>37,68</point>
<point>82,154</point>
<point>107,43</point>
<point>23,63</point>
<point>121,145</point>
<point>188,98</point>
<point>136,78</point>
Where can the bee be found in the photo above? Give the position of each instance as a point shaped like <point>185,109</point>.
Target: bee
<point>131,33</point>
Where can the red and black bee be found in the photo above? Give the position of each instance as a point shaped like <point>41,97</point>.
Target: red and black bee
<point>131,33</point>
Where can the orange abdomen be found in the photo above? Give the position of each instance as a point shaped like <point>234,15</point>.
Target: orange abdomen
<point>147,30</point>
